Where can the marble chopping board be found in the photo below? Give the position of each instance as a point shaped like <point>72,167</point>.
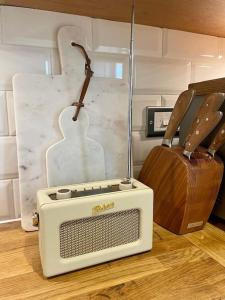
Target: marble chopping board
<point>39,101</point>
<point>76,157</point>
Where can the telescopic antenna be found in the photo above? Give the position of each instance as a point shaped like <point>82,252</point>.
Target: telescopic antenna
<point>130,99</point>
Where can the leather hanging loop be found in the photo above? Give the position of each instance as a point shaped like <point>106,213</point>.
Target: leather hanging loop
<point>88,73</point>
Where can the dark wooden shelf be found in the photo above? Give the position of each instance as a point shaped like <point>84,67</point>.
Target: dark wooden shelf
<point>202,16</point>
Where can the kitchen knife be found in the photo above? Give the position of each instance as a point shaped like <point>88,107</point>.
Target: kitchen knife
<point>212,103</point>
<point>218,141</point>
<point>177,115</point>
<point>206,123</point>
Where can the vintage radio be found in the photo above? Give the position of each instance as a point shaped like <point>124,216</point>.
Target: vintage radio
<point>86,224</point>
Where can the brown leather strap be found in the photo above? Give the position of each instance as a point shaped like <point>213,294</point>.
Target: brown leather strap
<point>88,73</point>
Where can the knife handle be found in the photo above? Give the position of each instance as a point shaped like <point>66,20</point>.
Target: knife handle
<point>205,125</point>
<point>218,141</point>
<point>177,115</point>
<point>211,103</point>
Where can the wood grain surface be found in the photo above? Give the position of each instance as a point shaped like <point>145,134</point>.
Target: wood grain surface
<point>201,16</point>
<point>178,113</point>
<point>190,267</point>
<point>203,126</point>
<point>211,103</point>
<point>184,191</point>
<point>218,140</point>
<point>209,86</point>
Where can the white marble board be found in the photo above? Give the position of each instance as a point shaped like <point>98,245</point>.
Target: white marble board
<point>76,157</point>
<point>39,100</point>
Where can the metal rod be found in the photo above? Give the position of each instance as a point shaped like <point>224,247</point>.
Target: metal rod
<point>130,99</point>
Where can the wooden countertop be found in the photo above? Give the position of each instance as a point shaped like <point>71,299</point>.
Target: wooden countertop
<point>179,267</point>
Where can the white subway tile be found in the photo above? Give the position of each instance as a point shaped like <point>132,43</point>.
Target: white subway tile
<point>114,37</point>
<point>137,170</point>
<point>6,200</point>
<point>110,36</point>
<point>148,41</point>
<point>4,130</point>
<point>187,45</point>
<point>110,66</point>
<point>169,100</point>
<point>162,75</point>
<point>139,109</point>
<point>142,146</point>
<point>11,113</point>
<point>19,59</point>
<point>16,198</point>
<point>222,50</point>
<point>207,71</point>
<point>8,158</point>
<point>32,27</point>
<point>1,24</point>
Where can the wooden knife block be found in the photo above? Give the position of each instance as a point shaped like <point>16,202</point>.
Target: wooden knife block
<point>184,191</point>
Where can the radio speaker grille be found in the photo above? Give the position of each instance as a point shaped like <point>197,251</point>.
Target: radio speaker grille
<point>92,234</point>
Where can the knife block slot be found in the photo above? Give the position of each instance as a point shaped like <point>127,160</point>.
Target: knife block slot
<point>184,191</point>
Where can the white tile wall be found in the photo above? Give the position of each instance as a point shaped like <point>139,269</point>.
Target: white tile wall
<point>148,41</point>
<point>11,113</point>
<point>142,146</point>
<point>4,130</point>
<point>162,75</point>
<point>16,197</point>
<point>166,62</point>
<point>114,37</point>
<point>32,27</point>
<point>186,45</point>
<point>1,24</point>
<point>222,47</point>
<point>207,71</point>
<point>110,37</point>
<point>136,170</point>
<point>8,158</point>
<point>110,66</point>
<point>6,200</point>
<point>139,108</point>
<point>169,100</point>
<point>19,59</point>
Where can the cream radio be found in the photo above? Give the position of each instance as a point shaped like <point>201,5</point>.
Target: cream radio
<point>86,224</point>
